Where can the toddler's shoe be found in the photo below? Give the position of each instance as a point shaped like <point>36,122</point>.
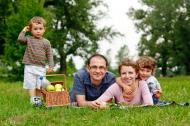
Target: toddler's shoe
<point>37,102</point>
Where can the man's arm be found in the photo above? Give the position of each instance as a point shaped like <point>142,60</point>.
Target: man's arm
<point>81,101</point>
<point>78,91</point>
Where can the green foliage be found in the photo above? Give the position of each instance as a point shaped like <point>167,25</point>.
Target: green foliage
<point>164,26</point>
<point>74,29</point>
<point>71,30</point>
<point>13,52</point>
<point>71,67</point>
<point>22,113</point>
<point>122,53</point>
<point>3,13</point>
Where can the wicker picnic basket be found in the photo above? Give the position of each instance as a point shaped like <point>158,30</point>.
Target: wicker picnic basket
<point>56,98</point>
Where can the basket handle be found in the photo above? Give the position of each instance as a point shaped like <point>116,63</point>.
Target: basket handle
<point>64,79</point>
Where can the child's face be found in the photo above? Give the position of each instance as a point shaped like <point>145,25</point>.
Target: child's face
<point>37,30</point>
<point>128,74</point>
<point>145,73</point>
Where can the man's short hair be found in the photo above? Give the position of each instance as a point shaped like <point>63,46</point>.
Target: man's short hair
<point>97,55</point>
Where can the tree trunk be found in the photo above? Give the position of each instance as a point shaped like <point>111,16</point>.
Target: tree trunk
<point>187,66</point>
<point>63,64</point>
<point>164,66</point>
<point>164,69</point>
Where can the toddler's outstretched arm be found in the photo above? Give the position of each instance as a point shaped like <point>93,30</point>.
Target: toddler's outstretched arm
<point>22,37</point>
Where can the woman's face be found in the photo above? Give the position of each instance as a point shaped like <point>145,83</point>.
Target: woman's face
<point>128,74</point>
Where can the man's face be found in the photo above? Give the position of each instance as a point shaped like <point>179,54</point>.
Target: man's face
<point>37,30</point>
<point>97,70</point>
<point>145,73</point>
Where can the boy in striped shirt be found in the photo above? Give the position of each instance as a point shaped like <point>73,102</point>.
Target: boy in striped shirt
<point>38,51</point>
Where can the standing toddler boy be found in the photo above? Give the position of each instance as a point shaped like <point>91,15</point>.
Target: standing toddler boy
<point>38,51</point>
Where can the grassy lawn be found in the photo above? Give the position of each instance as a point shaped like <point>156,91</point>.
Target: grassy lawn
<point>16,110</point>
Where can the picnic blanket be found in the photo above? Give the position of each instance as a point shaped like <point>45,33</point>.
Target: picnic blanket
<point>166,103</point>
<point>122,106</point>
<point>159,104</point>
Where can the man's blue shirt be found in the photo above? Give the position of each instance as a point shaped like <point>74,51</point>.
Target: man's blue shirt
<point>83,85</point>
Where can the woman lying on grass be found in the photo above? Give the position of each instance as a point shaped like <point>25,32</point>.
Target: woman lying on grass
<point>139,95</point>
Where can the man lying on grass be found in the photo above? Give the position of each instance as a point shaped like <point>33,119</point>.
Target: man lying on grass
<point>91,82</point>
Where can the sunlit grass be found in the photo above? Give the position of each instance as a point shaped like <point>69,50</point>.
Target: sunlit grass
<point>16,110</point>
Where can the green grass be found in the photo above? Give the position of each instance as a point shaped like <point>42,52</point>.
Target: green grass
<point>16,110</point>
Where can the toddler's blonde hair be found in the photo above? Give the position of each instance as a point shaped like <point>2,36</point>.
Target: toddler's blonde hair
<point>38,20</point>
<point>147,62</point>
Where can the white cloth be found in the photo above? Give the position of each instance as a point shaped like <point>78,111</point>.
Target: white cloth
<point>32,75</point>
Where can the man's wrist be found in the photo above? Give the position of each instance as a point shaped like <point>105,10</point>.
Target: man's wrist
<point>88,103</point>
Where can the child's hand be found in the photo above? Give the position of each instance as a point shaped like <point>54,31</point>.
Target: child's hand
<point>158,94</point>
<point>50,70</point>
<point>128,92</point>
<point>123,85</point>
<point>127,89</point>
<point>26,29</point>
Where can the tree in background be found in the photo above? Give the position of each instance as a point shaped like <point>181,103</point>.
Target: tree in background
<point>72,30</point>
<point>122,53</point>
<point>75,30</point>
<point>5,11</point>
<point>71,69</point>
<point>109,58</point>
<point>164,26</point>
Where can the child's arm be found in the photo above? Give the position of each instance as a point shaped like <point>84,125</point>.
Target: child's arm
<point>22,37</point>
<point>158,91</point>
<point>154,87</point>
<point>49,54</point>
<point>126,89</point>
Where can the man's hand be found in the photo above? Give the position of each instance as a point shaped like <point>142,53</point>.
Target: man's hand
<point>94,104</point>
